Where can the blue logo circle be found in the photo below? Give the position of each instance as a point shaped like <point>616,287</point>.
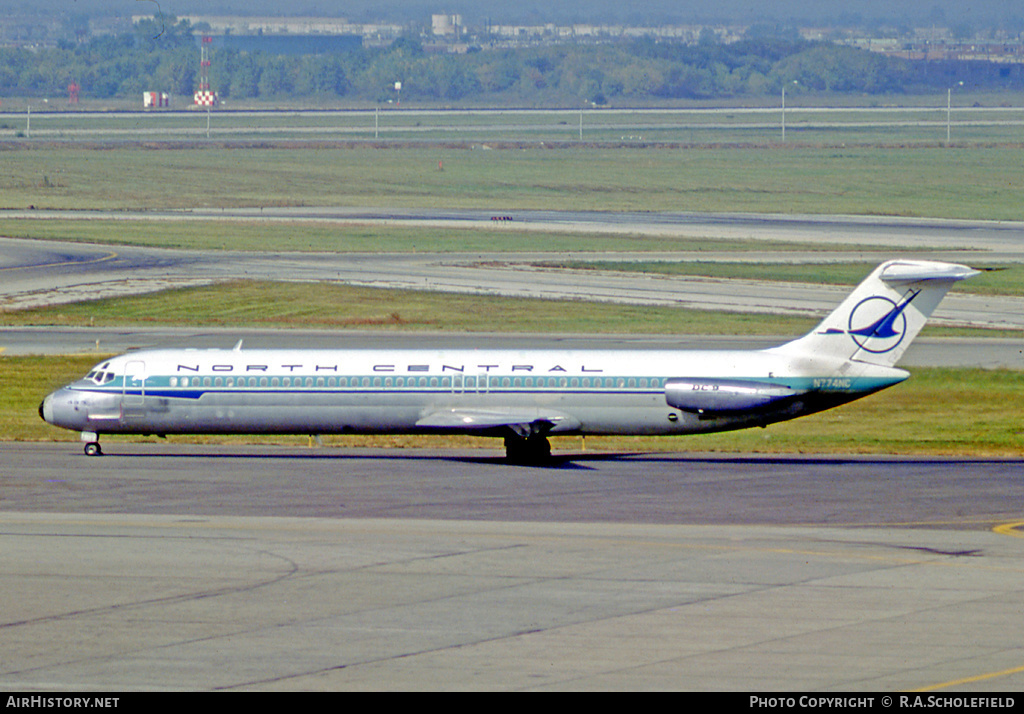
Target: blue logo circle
<point>877,318</point>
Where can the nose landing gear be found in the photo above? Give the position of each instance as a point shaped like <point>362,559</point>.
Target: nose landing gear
<point>92,443</point>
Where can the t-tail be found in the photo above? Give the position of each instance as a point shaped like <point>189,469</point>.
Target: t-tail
<point>882,316</point>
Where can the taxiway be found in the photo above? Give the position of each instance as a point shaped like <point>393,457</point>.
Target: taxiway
<point>39,273</point>
<point>171,567</point>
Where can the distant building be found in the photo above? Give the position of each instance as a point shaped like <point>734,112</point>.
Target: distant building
<point>588,32</point>
<point>290,44</point>
<point>291,35</point>
<point>255,25</point>
<point>446,25</point>
<point>153,100</point>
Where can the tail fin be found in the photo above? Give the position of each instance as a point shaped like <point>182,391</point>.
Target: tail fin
<point>883,314</point>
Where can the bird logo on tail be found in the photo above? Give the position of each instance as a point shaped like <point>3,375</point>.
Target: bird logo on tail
<point>877,324</point>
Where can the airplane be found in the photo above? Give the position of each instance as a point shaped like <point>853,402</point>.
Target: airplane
<point>521,395</point>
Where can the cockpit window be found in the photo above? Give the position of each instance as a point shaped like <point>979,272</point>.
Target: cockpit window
<point>99,375</point>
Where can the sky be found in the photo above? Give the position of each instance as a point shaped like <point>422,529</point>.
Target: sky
<point>637,12</point>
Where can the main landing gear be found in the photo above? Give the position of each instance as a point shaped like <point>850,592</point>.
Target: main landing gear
<point>530,450</point>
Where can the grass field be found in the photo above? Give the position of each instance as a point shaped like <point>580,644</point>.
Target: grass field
<point>325,305</point>
<point>970,183</point>
<point>336,237</point>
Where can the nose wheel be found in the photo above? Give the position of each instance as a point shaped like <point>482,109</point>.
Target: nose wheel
<point>92,443</point>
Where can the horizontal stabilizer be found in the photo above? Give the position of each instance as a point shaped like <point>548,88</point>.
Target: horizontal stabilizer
<point>922,271</point>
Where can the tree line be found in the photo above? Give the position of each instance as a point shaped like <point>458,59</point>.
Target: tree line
<point>163,55</point>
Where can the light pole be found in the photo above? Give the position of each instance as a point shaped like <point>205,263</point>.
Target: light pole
<point>784,111</point>
<point>949,104</point>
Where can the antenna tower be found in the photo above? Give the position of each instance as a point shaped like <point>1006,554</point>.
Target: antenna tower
<point>204,96</point>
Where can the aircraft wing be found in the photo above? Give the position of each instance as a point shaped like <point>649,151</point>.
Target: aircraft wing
<point>523,421</point>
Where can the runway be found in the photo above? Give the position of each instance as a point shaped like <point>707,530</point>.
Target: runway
<point>172,567</point>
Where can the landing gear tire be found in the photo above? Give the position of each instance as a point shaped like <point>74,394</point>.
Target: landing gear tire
<point>532,450</point>
<point>93,449</point>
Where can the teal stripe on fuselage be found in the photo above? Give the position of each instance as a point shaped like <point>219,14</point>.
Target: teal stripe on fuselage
<point>159,387</point>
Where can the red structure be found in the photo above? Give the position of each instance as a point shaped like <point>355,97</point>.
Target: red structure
<point>73,90</point>
<point>204,95</point>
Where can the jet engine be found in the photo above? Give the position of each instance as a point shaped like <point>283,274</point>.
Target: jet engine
<point>726,396</point>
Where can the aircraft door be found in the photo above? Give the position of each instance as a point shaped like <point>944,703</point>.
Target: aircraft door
<point>133,390</point>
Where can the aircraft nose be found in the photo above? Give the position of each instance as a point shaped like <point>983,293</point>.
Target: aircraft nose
<point>56,409</point>
<point>46,409</point>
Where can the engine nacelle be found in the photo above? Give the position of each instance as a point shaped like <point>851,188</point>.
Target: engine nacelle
<point>725,396</point>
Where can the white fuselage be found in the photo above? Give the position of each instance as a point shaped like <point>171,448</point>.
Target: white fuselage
<point>423,391</point>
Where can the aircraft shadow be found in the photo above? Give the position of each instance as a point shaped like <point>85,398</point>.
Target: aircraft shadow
<point>575,460</point>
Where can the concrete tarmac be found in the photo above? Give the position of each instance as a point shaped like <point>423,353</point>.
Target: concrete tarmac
<point>163,566</point>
